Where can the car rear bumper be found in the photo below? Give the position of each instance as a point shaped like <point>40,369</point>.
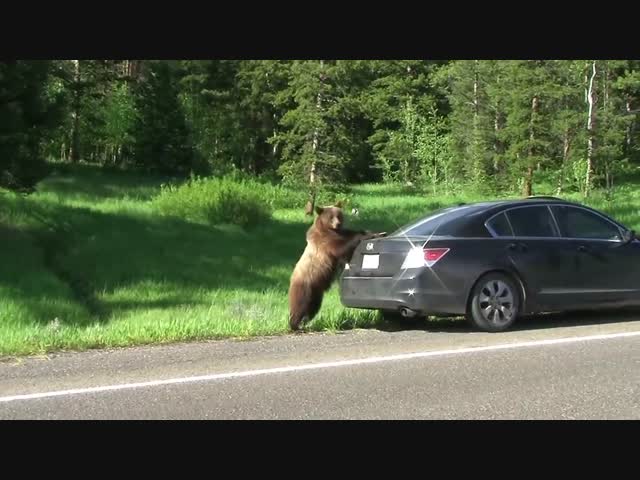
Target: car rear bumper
<point>424,293</point>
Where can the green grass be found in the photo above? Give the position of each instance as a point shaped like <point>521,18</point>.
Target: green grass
<point>89,262</point>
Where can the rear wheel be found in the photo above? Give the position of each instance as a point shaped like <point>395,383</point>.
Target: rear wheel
<point>495,303</point>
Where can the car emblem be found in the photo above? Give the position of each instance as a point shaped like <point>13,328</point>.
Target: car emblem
<point>369,246</point>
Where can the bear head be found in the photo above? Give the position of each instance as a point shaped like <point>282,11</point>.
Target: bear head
<point>330,217</point>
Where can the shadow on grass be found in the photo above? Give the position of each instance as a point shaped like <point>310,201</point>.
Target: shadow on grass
<point>28,289</point>
<point>92,183</point>
<point>121,261</point>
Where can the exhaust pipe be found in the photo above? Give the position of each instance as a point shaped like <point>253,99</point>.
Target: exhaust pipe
<point>407,312</point>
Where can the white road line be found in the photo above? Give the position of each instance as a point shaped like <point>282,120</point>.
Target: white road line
<point>316,366</point>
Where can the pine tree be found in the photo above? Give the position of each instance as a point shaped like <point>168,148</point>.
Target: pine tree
<point>28,113</point>
<point>311,137</point>
<point>475,92</point>
<point>211,97</point>
<point>162,140</point>
<point>568,122</point>
<point>398,87</point>
<point>530,97</point>
<point>615,137</point>
<point>259,83</point>
<point>628,87</point>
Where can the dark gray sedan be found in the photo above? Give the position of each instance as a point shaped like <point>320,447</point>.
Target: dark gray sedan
<point>494,261</point>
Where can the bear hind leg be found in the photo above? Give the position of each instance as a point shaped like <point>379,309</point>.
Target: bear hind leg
<point>304,307</point>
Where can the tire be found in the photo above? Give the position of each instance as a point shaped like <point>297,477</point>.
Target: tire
<point>494,304</point>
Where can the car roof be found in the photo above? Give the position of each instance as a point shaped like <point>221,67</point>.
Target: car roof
<point>487,209</point>
<point>471,217</point>
<point>523,201</point>
<point>508,203</point>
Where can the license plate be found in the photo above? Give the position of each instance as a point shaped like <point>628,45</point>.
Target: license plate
<point>370,262</point>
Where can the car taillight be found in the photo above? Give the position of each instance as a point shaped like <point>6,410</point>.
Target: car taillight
<point>432,255</point>
<point>427,257</point>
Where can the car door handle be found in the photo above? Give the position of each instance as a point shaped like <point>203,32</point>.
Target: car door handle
<point>583,249</point>
<point>517,246</point>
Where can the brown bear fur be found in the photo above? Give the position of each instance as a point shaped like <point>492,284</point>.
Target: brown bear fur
<point>329,247</point>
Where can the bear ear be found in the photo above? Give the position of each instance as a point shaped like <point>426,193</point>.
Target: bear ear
<point>319,210</point>
<point>339,204</point>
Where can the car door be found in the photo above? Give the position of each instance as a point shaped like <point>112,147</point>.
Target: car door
<point>538,256</point>
<point>608,268</point>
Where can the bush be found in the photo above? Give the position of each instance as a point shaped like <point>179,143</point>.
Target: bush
<point>281,197</point>
<point>215,201</point>
<point>276,196</point>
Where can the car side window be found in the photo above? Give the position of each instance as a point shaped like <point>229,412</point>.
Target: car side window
<point>500,226</point>
<point>532,222</point>
<point>580,223</point>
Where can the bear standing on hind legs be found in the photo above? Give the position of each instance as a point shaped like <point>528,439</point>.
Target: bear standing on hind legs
<point>329,247</point>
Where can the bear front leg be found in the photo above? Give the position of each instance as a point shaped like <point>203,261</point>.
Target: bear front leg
<point>346,252</point>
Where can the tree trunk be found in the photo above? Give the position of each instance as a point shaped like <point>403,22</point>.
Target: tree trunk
<point>314,149</point>
<point>275,132</point>
<point>528,179</point>
<point>628,141</point>
<point>591,100</point>
<point>566,147</point>
<point>607,160</point>
<point>606,86</point>
<point>271,117</point>
<point>476,143</point>
<point>75,114</point>
<point>498,147</point>
<point>528,182</point>
<point>312,173</point>
<point>132,68</point>
<point>476,100</point>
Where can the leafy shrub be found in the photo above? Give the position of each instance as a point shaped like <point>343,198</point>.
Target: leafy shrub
<point>215,201</point>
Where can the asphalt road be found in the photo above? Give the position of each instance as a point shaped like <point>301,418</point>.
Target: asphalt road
<point>550,368</point>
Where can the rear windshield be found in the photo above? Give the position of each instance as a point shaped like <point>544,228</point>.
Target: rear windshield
<point>438,223</point>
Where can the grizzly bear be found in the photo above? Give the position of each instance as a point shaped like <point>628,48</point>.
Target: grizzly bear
<point>329,247</point>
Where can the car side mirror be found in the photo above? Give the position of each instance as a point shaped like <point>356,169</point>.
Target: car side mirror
<point>628,236</point>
